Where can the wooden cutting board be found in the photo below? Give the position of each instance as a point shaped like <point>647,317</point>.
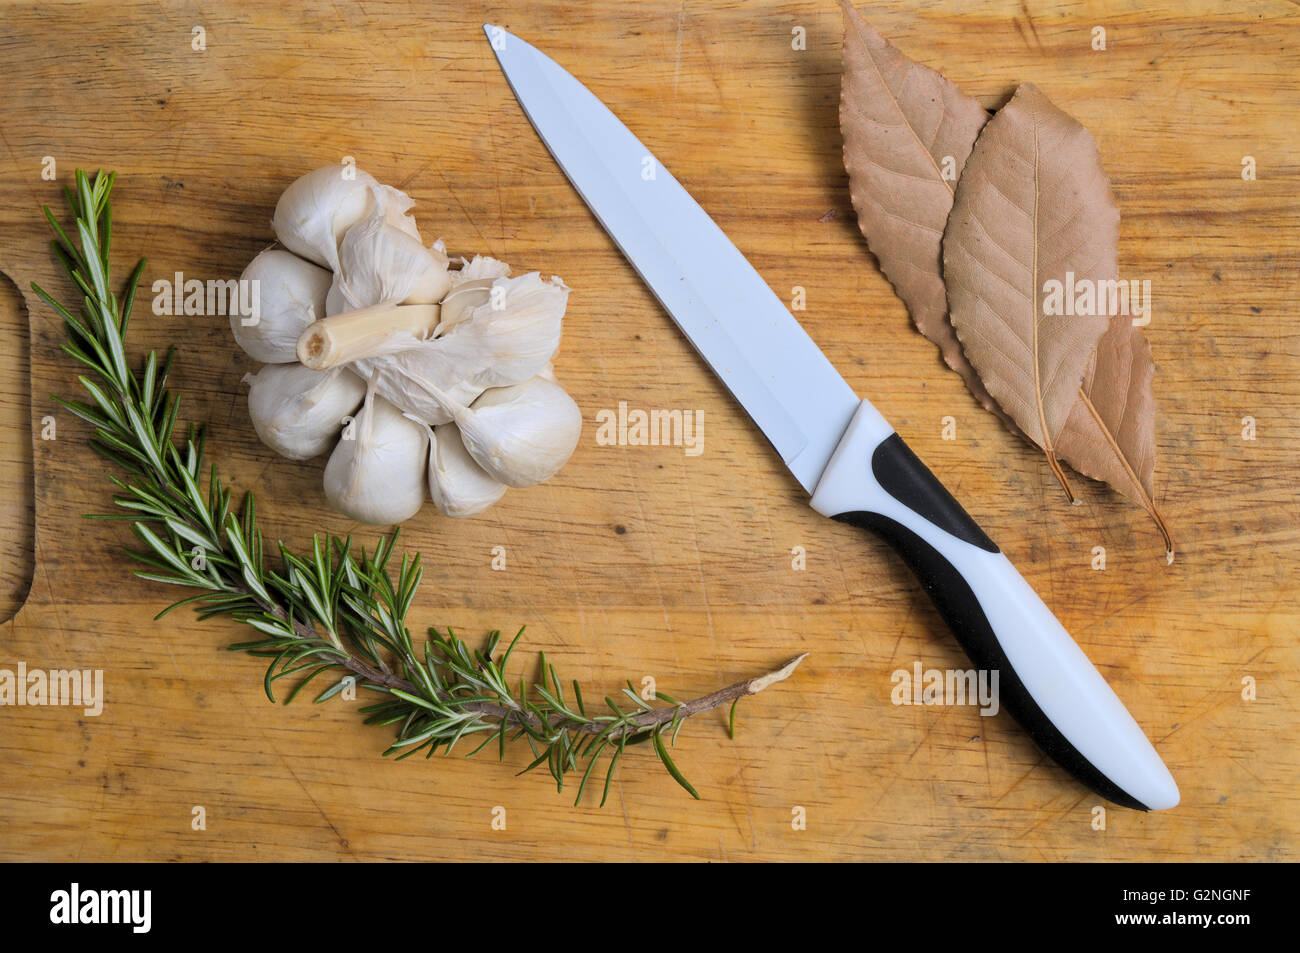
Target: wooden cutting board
<point>646,561</point>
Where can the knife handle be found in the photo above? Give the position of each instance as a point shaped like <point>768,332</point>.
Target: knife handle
<point>875,481</point>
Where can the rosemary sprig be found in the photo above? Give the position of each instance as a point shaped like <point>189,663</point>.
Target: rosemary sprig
<point>334,611</point>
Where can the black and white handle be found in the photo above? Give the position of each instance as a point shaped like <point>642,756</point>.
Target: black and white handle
<point>874,480</point>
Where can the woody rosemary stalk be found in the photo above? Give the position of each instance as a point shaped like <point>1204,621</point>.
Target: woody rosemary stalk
<point>335,611</point>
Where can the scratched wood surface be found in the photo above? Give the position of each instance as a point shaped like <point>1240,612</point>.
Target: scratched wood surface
<point>642,560</point>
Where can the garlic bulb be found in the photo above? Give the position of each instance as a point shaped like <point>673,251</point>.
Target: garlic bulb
<point>492,347</point>
<point>316,210</point>
<point>459,486</point>
<point>298,412</point>
<point>376,474</point>
<point>448,371</point>
<point>522,434</point>
<point>290,296</point>
<point>378,261</point>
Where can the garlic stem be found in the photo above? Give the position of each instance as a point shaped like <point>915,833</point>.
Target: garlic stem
<point>350,335</point>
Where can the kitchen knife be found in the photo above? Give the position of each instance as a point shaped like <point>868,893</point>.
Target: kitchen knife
<point>839,448</point>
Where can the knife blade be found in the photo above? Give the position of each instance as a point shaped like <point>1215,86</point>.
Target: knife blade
<point>837,446</point>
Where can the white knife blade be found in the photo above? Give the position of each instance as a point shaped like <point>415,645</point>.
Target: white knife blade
<point>738,325</point>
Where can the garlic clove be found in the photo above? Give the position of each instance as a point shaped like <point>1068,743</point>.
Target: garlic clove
<point>290,296</point>
<point>459,487</point>
<point>523,434</point>
<point>337,300</point>
<point>379,261</point>
<point>376,473</point>
<point>317,209</point>
<point>298,412</point>
<point>436,280</point>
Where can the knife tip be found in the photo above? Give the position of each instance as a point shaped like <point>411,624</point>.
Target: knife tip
<point>497,37</point>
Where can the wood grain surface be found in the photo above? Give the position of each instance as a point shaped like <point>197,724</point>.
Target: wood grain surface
<point>641,561</point>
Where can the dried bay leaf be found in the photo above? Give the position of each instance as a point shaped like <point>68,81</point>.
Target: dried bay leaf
<point>1032,205</point>
<point>1036,207</point>
<point>1110,433</point>
<point>905,125</point>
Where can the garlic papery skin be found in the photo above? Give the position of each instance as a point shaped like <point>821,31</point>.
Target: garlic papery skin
<point>461,301</point>
<point>299,412</point>
<point>376,474</point>
<point>396,206</point>
<point>521,435</point>
<point>492,347</point>
<point>378,262</point>
<point>518,328</point>
<point>459,487</point>
<point>318,208</point>
<point>290,296</point>
<point>478,267</point>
